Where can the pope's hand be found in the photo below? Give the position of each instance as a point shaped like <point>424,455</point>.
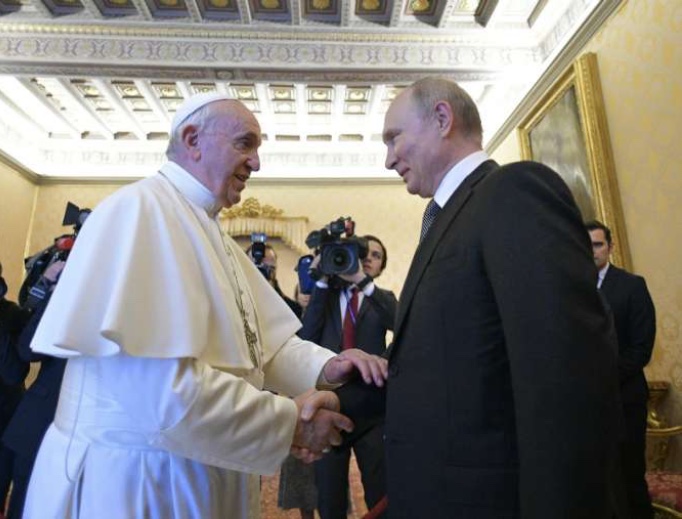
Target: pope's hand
<point>319,425</point>
<point>372,368</point>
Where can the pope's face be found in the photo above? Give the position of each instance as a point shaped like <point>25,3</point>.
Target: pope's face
<point>230,151</point>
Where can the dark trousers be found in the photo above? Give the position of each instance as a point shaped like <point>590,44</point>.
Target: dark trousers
<point>6,467</point>
<point>331,474</point>
<point>633,461</point>
<point>21,475</point>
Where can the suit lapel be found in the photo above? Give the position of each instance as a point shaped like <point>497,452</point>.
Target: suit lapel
<point>428,246</point>
<point>336,316</point>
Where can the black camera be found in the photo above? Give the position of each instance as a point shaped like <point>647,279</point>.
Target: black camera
<point>35,288</point>
<point>257,250</point>
<point>340,250</point>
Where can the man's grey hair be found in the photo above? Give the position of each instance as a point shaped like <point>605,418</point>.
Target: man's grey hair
<point>428,91</point>
<point>201,118</point>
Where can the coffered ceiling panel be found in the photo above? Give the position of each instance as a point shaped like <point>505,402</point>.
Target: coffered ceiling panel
<point>88,87</point>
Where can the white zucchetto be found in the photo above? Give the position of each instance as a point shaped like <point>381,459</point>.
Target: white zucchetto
<point>192,104</point>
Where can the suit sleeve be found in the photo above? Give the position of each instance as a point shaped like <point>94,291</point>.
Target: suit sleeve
<point>13,369</point>
<point>558,343</point>
<point>26,335</point>
<point>635,350</point>
<point>313,318</point>
<point>386,304</point>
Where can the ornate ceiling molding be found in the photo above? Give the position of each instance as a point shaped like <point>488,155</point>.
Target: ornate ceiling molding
<point>65,49</point>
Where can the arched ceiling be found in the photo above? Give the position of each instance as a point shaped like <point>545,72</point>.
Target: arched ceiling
<point>88,87</point>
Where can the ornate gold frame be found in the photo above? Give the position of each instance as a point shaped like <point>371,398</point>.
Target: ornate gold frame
<point>583,77</point>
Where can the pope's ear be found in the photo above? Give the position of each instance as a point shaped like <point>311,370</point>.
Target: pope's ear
<point>190,135</point>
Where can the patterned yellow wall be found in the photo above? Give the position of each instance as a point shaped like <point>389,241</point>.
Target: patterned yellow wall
<point>17,195</point>
<point>640,62</point>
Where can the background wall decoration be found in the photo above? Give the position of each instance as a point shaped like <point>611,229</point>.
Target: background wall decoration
<point>567,131</point>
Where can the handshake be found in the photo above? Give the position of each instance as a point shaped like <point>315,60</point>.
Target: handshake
<point>320,424</point>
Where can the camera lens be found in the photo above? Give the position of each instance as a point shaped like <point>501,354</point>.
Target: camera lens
<point>340,259</point>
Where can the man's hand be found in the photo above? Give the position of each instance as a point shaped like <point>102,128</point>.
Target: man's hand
<point>356,276</point>
<point>372,368</point>
<point>319,425</point>
<point>53,271</point>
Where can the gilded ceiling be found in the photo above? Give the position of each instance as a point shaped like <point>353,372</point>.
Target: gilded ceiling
<point>88,87</point>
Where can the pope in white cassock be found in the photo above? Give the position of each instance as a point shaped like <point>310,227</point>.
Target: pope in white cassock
<point>172,335</point>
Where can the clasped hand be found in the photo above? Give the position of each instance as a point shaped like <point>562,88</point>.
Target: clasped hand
<point>319,425</point>
<point>319,422</point>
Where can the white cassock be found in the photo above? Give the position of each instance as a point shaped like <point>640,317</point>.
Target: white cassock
<point>162,412</point>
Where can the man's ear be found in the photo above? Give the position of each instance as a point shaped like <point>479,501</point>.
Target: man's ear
<point>190,141</point>
<point>190,136</point>
<point>444,117</point>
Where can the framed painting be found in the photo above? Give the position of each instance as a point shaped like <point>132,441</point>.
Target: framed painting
<point>567,131</point>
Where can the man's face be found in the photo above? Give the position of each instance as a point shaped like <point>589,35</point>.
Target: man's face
<point>600,248</point>
<point>371,265</point>
<point>410,142</point>
<point>270,261</point>
<point>229,150</point>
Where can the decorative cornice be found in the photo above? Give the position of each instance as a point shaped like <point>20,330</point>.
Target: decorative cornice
<point>68,50</point>
<point>561,62</point>
<point>196,32</point>
<point>19,168</point>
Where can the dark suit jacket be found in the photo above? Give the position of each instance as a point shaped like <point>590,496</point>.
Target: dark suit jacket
<point>635,318</point>
<point>502,396</point>
<point>37,408</point>
<point>13,370</point>
<point>322,320</point>
<point>322,324</point>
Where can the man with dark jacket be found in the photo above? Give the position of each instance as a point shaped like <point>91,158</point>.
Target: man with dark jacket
<point>635,319</point>
<point>340,307</point>
<point>502,396</point>
<point>37,407</point>
<point>13,371</point>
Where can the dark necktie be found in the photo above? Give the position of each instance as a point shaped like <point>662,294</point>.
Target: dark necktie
<point>430,214</point>
<point>349,321</point>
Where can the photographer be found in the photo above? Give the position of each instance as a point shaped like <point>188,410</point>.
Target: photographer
<point>37,407</point>
<point>346,311</point>
<point>13,371</point>
<point>264,257</point>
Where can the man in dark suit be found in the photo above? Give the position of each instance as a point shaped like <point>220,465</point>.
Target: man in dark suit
<point>635,318</point>
<point>37,407</point>
<point>329,312</point>
<point>13,371</point>
<point>502,397</point>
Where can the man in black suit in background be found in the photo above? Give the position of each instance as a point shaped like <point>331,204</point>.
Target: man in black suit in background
<point>13,371</point>
<point>502,397</point>
<point>37,407</point>
<point>635,318</point>
<point>329,311</point>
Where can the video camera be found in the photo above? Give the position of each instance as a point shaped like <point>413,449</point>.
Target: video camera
<point>258,249</point>
<point>35,288</point>
<point>340,250</point>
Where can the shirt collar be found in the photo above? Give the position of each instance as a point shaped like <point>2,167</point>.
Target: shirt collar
<point>602,274</point>
<point>454,178</point>
<point>191,188</point>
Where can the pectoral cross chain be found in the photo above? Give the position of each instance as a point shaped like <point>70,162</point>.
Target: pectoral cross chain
<point>251,337</point>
